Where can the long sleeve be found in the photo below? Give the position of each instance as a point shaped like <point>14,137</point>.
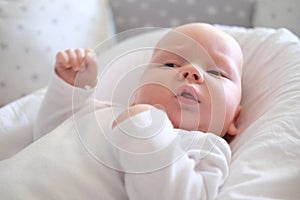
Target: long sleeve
<point>161,162</point>
<point>60,102</point>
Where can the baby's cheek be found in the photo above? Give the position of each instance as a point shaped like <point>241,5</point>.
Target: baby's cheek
<point>175,120</point>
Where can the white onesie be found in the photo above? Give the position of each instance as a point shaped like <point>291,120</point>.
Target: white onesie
<point>85,158</point>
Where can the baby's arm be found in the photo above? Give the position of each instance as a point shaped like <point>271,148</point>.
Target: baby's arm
<point>72,68</point>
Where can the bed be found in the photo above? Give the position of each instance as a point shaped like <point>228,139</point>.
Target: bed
<point>265,154</point>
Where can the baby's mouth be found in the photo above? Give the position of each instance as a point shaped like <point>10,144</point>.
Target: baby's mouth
<point>188,93</point>
<point>188,96</point>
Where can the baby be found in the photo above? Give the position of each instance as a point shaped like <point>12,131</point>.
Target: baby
<point>204,95</point>
<point>192,90</point>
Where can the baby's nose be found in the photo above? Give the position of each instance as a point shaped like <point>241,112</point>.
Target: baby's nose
<point>192,74</point>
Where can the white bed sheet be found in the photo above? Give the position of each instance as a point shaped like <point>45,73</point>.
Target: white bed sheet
<point>266,156</point>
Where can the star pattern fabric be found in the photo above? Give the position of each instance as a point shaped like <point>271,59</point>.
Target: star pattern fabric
<point>32,33</point>
<point>129,14</point>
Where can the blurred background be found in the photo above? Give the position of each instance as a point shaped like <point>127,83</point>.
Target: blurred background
<point>31,32</point>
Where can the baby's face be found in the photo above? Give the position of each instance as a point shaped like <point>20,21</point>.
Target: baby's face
<point>195,76</point>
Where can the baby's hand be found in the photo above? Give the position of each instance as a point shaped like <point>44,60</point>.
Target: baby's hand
<point>77,67</point>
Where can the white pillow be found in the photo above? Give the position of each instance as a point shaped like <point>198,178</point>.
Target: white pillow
<point>266,159</point>
<point>31,32</point>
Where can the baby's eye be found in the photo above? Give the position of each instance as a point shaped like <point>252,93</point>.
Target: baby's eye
<point>171,65</point>
<point>214,72</point>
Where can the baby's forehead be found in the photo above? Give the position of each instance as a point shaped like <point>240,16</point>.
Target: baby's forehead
<point>199,41</point>
<point>195,39</point>
<point>180,45</point>
<point>182,54</point>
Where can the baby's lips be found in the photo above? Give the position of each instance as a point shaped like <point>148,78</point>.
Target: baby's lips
<point>188,90</point>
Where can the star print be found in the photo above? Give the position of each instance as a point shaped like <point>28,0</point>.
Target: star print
<point>42,8</point>
<point>48,49</point>
<point>34,77</point>
<point>20,27</point>
<point>23,94</point>
<point>2,84</point>
<point>3,46</point>
<point>23,8</point>
<point>54,21</point>
<point>39,32</point>
<point>273,16</point>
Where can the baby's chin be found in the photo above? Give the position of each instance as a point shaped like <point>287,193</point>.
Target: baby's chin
<point>185,125</point>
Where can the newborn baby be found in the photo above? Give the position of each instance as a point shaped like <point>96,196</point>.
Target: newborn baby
<point>166,145</point>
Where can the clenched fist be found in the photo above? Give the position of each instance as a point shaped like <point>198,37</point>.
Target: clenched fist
<point>77,67</point>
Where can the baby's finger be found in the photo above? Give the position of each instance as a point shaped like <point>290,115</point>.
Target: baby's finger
<point>89,61</point>
<point>73,59</point>
<point>87,75</point>
<point>62,60</point>
<point>88,50</point>
<point>90,55</point>
<point>80,55</point>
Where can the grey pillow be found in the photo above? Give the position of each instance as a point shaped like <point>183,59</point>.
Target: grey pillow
<point>278,14</point>
<point>129,14</point>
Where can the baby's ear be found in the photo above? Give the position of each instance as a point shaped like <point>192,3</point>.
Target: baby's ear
<point>232,130</point>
